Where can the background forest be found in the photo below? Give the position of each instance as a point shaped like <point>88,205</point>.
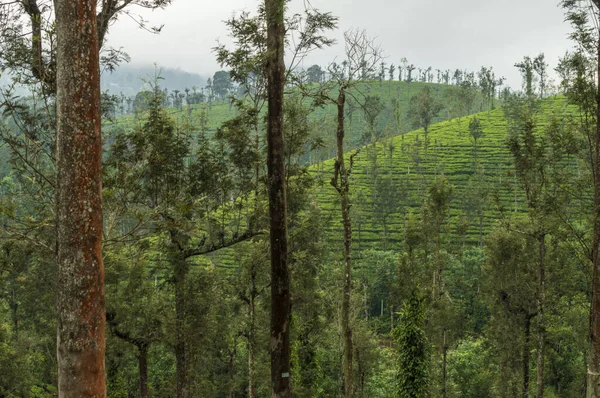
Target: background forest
<point>440,224</point>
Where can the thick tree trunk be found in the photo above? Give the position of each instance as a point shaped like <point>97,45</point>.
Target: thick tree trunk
<point>143,369</point>
<point>80,296</point>
<point>343,188</point>
<point>541,319</point>
<point>280,280</point>
<point>593,372</point>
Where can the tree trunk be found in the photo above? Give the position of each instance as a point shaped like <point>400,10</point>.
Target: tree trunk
<point>343,189</point>
<point>527,336</point>
<point>444,366</point>
<point>541,319</point>
<point>361,375</point>
<point>80,279</point>
<point>180,268</point>
<point>14,308</point>
<point>251,360</point>
<point>143,369</point>
<point>593,372</point>
<point>231,368</point>
<point>280,280</point>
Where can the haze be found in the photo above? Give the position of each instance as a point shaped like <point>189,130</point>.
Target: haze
<point>465,34</point>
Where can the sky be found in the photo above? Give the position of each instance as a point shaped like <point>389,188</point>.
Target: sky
<point>444,34</point>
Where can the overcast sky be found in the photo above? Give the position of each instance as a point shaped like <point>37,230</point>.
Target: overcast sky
<point>444,34</point>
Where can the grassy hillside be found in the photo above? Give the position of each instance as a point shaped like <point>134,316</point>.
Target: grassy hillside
<point>389,122</point>
<point>392,178</point>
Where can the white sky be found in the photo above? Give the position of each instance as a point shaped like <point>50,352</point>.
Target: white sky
<point>444,34</point>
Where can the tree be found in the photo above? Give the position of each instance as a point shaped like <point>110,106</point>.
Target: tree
<point>221,84</point>
<point>372,108</point>
<point>476,132</point>
<point>580,80</point>
<point>423,108</point>
<point>40,63</point>
<point>314,74</point>
<point>527,72</point>
<point>252,67</point>
<point>540,67</point>
<point>538,157</point>
<point>280,280</point>
<point>362,57</point>
<point>413,349</point>
<point>80,301</point>
<point>511,286</point>
<point>487,86</point>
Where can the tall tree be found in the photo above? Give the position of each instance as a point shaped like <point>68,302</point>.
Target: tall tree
<point>362,59</point>
<point>80,299</point>
<point>584,91</point>
<point>280,278</point>
<point>413,349</point>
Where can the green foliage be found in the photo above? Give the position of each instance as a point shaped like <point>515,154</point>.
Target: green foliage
<point>221,84</point>
<point>423,108</point>
<point>471,371</point>
<point>413,350</point>
<point>372,108</point>
<point>475,129</point>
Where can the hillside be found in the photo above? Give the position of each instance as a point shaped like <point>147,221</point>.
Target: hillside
<point>130,79</point>
<point>392,177</point>
<point>391,120</point>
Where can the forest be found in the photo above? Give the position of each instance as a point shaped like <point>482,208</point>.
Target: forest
<point>365,228</point>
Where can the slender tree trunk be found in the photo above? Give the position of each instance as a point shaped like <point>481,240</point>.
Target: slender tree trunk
<point>280,279</point>
<point>541,319</point>
<point>444,366</point>
<point>361,375</point>
<point>180,268</point>
<point>251,360</point>
<point>343,189</point>
<point>14,308</point>
<point>143,369</point>
<point>231,368</point>
<point>80,296</point>
<point>481,229</point>
<point>593,371</point>
<point>527,337</point>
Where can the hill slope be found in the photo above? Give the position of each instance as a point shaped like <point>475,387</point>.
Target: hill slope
<point>392,177</point>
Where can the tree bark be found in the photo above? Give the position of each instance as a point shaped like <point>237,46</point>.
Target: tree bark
<point>593,372</point>
<point>527,336</point>
<point>541,319</point>
<point>231,368</point>
<point>280,280</point>
<point>343,187</point>
<point>180,267</point>
<point>143,369</point>
<point>251,359</point>
<point>444,366</point>
<point>80,296</point>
